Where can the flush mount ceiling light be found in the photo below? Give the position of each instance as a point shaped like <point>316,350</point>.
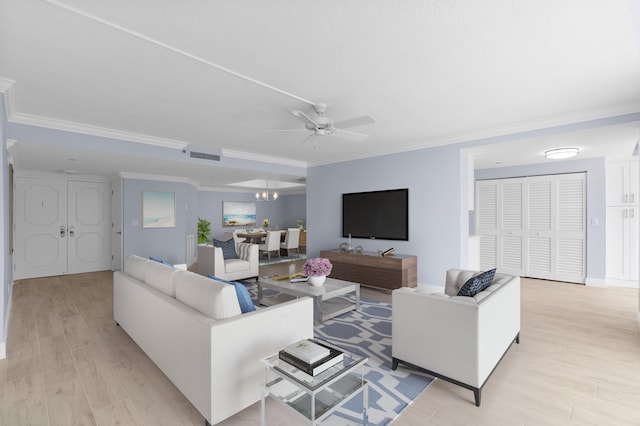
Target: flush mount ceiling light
<point>561,153</point>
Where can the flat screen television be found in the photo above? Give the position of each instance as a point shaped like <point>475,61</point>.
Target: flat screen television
<point>379,215</point>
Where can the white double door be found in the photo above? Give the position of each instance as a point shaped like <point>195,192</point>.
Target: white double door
<point>534,226</point>
<point>61,227</point>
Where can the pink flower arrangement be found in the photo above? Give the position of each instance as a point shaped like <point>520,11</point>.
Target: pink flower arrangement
<point>317,267</point>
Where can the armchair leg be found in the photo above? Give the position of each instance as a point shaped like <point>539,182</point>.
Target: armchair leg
<point>477,393</point>
<point>394,364</point>
<point>518,338</point>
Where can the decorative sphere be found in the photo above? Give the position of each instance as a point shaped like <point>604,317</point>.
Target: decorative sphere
<point>344,247</point>
<point>359,249</point>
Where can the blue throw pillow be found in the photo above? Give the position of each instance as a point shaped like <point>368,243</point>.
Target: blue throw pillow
<point>228,248</point>
<point>476,284</point>
<point>164,262</point>
<point>244,298</point>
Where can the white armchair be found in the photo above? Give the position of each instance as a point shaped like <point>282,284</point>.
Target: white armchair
<point>291,240</point>
<point>271,243</point>
<point>456,338</point>
<point>212,262</point>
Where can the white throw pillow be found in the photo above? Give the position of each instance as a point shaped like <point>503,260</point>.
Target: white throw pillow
<point>212,298</point>
<point>135,266</point>
<point>160,277</point>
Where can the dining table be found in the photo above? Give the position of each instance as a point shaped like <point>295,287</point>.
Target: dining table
<point>256,237</point>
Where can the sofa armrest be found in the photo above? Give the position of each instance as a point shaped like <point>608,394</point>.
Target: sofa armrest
<point>218,262</point>
<point>435,332</point>
<point>240,343</point>
<point>248,252</point>
<point>455,336</point>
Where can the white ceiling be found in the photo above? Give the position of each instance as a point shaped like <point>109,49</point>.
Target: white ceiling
<point>220,73</point>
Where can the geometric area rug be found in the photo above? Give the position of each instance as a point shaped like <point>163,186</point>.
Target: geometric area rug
<point>368,332</point>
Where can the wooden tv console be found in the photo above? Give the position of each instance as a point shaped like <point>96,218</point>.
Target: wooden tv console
<point>372,270</point>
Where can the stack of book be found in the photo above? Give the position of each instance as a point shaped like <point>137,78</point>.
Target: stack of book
<point>311,356</point>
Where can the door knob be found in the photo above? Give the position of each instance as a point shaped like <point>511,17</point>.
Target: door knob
<point>63,231</point>
<point>72,231</point>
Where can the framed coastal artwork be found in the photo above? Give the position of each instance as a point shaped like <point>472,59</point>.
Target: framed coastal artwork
<point>158,209</point>
<point>237,213</point>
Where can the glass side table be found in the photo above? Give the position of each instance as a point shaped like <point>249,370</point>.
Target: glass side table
<point>315,397</point>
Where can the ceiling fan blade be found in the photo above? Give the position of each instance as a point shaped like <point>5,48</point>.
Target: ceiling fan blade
<point>354,122</point>
<point>311,137</point>
<point>308,121</point>
<point>285,130</point>
<point>352,136</point>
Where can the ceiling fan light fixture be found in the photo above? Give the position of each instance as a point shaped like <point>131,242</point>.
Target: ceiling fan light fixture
<point>561,153</point>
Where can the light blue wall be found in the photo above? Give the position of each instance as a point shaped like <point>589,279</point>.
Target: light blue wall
<point>164,243</point>
<point>281,214</point>
<point>438,219</point>
<point>596,198</point>
<point>5,255</point>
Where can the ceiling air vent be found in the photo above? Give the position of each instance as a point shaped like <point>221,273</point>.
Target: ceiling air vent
<point>203,153</point>
<point>204,156</point>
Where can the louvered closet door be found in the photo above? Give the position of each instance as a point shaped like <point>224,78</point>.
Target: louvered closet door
<point>570,233</point>
<point>487,222</point>
<point>539,240</point>
<point>533,226</point>
<point>511,232</point>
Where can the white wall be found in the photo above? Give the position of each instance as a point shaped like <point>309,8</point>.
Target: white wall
<point>6,271</point>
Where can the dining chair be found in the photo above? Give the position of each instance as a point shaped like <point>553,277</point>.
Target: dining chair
<point>291,240</point>
<point>271,243</point>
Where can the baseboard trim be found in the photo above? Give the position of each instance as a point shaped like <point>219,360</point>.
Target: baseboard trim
<point>595,282</point>
<point>622,283</point>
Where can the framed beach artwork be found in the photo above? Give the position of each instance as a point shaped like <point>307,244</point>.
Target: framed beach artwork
<point>158,209</point>
<point>237,213</point>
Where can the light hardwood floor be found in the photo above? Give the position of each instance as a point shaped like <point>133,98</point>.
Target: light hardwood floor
<point>69,364</point>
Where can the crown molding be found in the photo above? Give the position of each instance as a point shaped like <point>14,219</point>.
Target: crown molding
<point>559,124</point>
<point>7,88</point>
<point>59,176</point>
<point>6,84</point>
<point>159,178</point>
<point>69,126</point>
<point>263,158</point>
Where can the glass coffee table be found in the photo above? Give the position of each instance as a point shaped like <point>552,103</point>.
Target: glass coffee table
<point>315,397</point>
<point>327,302</point>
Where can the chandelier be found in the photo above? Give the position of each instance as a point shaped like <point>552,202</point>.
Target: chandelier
<point>266,195</point>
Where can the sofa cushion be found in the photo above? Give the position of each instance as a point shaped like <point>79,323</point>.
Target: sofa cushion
<point>212,298</point>
<point>135,266</point>
<point>161,277</point>
<point>236,265</point>
<point>477,283</point>
<point>228,248</point>
<point>244,298</point>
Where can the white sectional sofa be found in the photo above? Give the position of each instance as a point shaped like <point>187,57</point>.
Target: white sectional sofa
<point>192,328</point>
<point>457,338</point>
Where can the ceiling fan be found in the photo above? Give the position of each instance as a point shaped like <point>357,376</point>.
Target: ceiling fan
<point>322,125</point>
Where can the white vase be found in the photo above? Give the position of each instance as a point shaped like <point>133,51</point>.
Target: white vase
<point>318,280</point>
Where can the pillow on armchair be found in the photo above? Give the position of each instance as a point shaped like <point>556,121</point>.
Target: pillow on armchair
<point>228,248</point>
<point>478,283</point>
